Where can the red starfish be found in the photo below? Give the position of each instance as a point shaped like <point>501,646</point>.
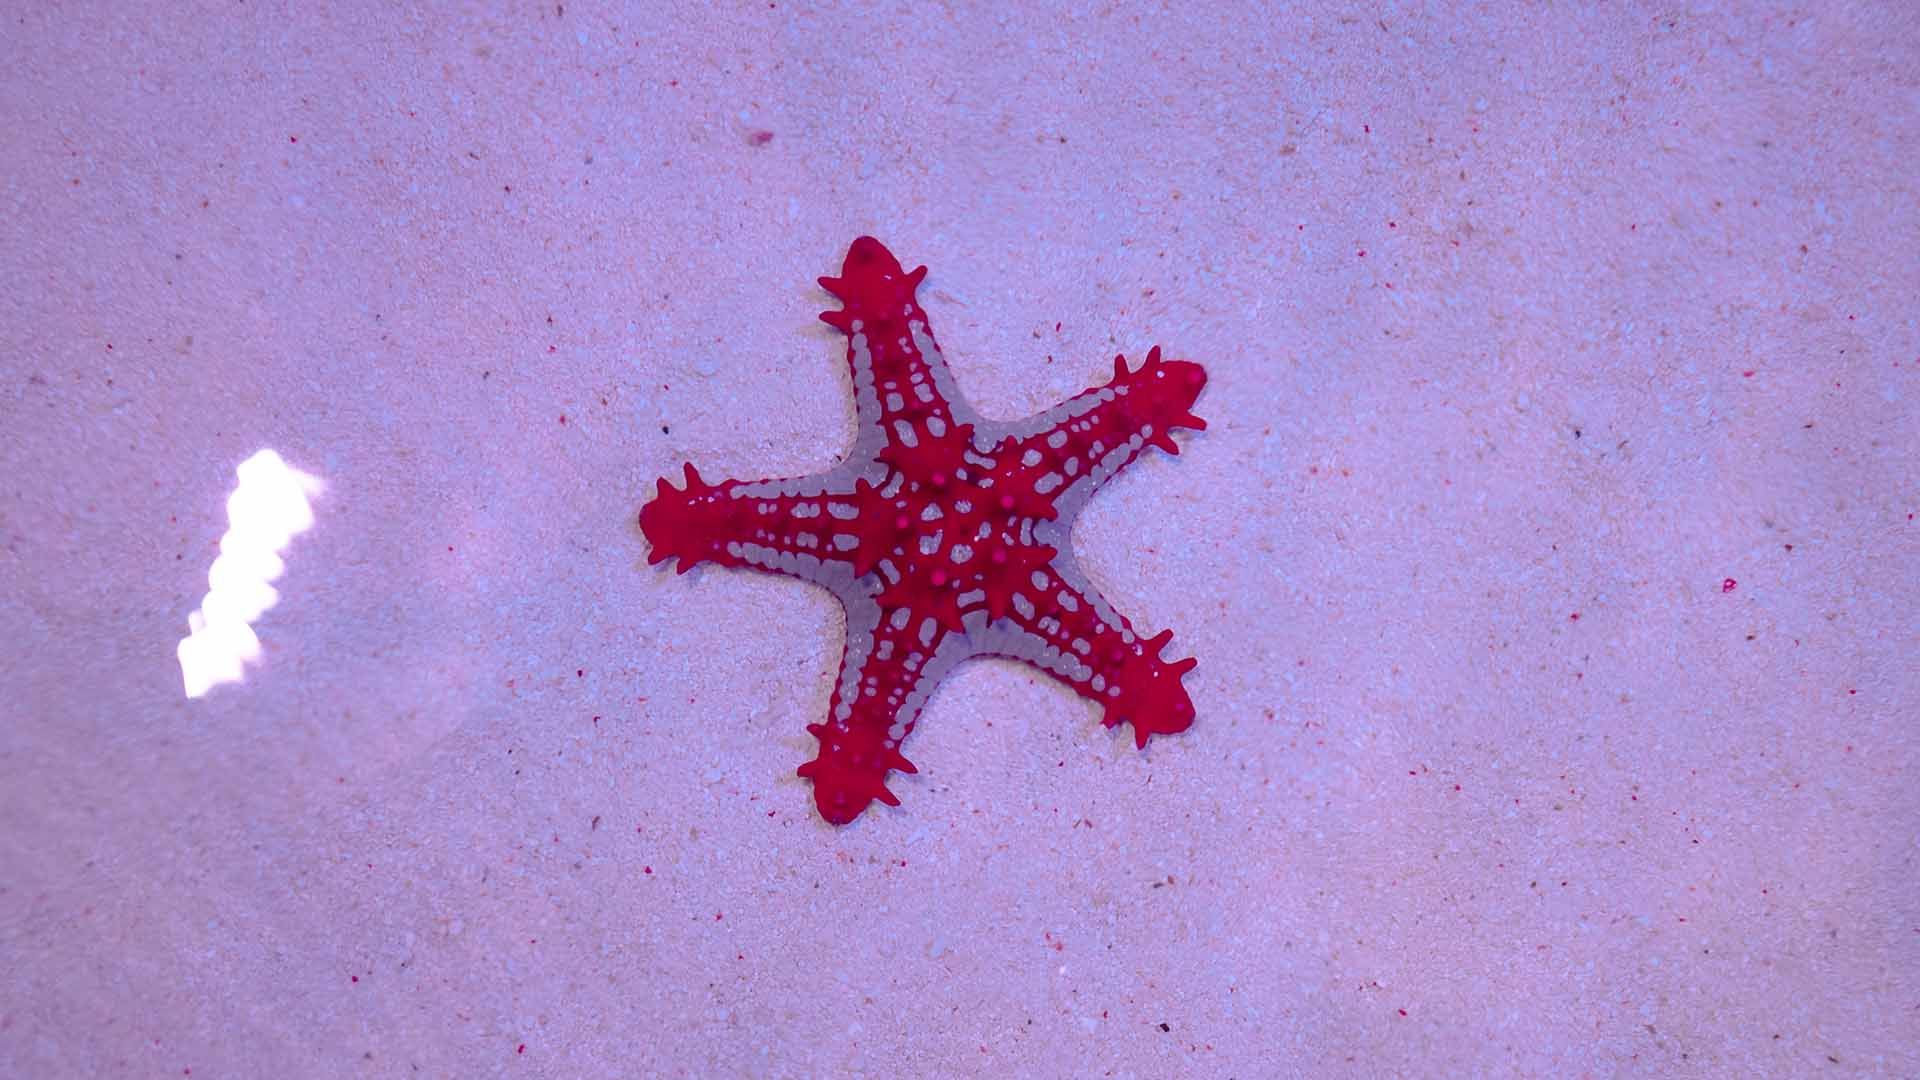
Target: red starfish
<point>944,534</point>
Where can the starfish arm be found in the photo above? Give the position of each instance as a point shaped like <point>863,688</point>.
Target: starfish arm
<point>801,528</point>
<point>1085,440</point>
<point>891,662</point>
<point>1083,642</point>
<point>759,523</point>
<point>879,310</point>
<point>900,379</point>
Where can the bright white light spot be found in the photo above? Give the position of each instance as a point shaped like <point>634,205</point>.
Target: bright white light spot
<point>264,514</point>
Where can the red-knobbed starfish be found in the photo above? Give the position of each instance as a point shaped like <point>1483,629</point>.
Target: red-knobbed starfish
<point>944,534</point>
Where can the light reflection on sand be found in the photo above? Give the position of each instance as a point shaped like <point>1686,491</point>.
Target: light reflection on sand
<point>265,512</point>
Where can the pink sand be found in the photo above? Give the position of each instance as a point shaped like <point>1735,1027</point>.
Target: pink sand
<point>1550,556</point>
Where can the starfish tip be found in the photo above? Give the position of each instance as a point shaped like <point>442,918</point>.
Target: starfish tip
<point>865,251</point>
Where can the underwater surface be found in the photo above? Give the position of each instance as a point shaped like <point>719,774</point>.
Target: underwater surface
<point>1541,534</point>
